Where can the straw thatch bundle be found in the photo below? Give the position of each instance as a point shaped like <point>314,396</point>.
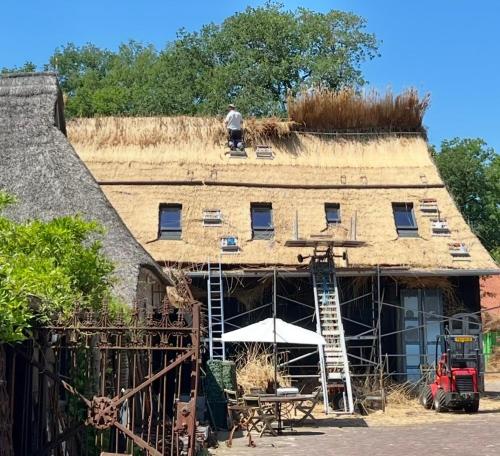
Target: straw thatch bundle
<point>146,132</point>
<point>255,368</point>
<point>321,110</point>
<point>348,110</point>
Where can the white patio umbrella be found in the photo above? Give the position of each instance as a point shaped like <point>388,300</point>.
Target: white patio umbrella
<point>263,331</point>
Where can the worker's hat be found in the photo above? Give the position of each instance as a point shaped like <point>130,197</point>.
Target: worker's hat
<point>231,105</point>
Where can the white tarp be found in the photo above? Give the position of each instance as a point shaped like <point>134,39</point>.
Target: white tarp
<point>286,333</point>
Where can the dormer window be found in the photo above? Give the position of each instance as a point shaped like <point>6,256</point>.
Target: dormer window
<point>404,218</point>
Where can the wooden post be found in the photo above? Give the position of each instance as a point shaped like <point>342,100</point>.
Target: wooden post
<point>275,346</point>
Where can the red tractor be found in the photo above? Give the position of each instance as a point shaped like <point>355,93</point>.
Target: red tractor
<point>456,386</point>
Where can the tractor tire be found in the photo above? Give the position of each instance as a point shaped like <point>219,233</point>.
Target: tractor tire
<point>426,398</point>
<point>473,407</point>
<point>338,402</point>
<point>440,401</point>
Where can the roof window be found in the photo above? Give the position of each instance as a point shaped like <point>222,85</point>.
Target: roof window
<point>332,213</point>
<point>404,218</point>
<point>262,221</point>
<point>169,226</point>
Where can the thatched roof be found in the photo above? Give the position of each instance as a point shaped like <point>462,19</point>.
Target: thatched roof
<point>39,167</point>
<point>183,160</point>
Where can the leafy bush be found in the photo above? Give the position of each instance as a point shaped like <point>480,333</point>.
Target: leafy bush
<point>46,268</point>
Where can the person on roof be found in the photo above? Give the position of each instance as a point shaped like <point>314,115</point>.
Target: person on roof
<point>233,123</point>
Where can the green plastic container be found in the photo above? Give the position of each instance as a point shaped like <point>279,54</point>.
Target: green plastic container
<point>220,375</point>
<point>218,414</point>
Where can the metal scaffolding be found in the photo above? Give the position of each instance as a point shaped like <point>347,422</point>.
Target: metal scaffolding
<point>370,363</point>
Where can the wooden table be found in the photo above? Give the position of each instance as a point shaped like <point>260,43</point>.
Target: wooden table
<point>287,399</point>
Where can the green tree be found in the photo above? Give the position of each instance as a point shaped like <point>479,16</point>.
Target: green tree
<point>471,171</point>
<point>254,59</point>
<point>28,67</point>
<point>46,268</point>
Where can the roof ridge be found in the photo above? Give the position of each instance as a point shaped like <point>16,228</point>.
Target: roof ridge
<point>27,74</point>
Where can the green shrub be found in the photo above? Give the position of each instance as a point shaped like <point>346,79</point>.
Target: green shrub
<point>46,269</point>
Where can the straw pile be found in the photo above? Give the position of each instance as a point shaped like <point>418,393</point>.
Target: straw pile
<point>255,369</point>
<point>402,394</point>
<point>348,110</point>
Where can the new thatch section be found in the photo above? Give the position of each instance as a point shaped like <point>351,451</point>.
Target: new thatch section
<point>148,132</point>
<point>180,148</point>
<point>365,175</point>
<point>322,111</point>
<point>41,169</point>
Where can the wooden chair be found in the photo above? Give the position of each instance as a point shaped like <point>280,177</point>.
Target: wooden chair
<point>239,415</point>
<point>262,417</point>
<point>232,397</point>
<point>307,407</point>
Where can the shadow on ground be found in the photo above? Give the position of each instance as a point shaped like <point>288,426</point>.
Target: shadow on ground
<point>342,422</point>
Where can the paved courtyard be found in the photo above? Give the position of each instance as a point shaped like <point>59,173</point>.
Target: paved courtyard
<point>409,433</point>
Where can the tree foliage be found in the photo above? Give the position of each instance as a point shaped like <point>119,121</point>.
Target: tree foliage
<point>27,67</point>
<point>471,171</point>
<point>254,58</point>
<point>46,268</point>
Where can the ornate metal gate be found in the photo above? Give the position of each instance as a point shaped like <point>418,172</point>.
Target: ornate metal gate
<point>121,385</point>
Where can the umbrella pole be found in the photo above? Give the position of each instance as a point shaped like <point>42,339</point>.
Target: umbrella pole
<point>275,346</point>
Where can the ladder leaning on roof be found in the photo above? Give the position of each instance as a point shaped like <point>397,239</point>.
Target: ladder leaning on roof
<point>215,294</point>
<point>334,364</point>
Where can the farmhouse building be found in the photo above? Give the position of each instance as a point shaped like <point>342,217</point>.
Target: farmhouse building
<point>406,264</point>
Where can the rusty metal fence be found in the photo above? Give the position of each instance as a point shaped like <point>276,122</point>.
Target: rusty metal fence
<point>126,385</point>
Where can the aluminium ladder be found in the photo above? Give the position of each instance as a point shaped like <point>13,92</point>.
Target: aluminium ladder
<point>334,364</point>
<point>216,312</point>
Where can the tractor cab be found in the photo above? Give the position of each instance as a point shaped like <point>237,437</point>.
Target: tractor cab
<point>456,383</point>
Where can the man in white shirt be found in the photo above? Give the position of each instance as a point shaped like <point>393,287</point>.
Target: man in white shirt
<point>233,123</point>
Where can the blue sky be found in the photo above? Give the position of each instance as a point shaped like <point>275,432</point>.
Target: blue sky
<point>449,48</point>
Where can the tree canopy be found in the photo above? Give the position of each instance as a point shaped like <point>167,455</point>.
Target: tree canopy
<point>471,171</point>
<point>254,59</point>
<point>46,268</point>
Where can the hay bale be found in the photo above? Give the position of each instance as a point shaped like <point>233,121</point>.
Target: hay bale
<point>255,368</point>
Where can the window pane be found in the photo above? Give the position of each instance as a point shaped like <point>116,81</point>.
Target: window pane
<point>403,216</point>
<point>262,218</point>
<point>170,218</point>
